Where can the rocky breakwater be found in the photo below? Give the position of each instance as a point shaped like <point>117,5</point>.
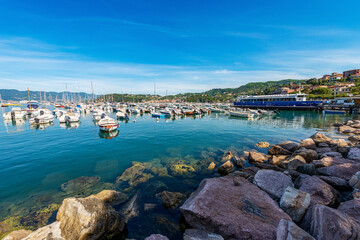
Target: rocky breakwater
<point>306,190</point>
<point>81,219</point>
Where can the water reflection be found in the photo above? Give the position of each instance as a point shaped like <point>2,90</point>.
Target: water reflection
<point>109,135</point>
<point>70,125</point>
<point>41,126</point>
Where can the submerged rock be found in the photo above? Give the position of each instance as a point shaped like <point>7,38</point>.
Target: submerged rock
<point>181,169</point>
<point>239,161</point>
<point>134,175</point>
<point>79,185</point>
<point>287,230</point>
<point>234,212</point>
<point>211,166</point>
<point>320,191</point>
<point>272,182</point>
<point>263,144</point>
<point>325,223</point>
<point>171,199</point>
<point>196,234</point>
<point>295,203</point>
<point>156,237</point>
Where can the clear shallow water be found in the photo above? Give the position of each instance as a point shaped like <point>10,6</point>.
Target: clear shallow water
<point>35,162</point>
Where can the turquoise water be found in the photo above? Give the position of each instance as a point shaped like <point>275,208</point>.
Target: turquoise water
<point>35,162</point>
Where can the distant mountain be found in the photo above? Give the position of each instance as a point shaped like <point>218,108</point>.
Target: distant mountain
<point>16,95</point>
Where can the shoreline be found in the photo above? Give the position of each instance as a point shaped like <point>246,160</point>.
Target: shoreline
<point>172,200</point>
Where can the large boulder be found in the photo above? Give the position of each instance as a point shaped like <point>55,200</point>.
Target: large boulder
<point>287,230</point>
<point>329,161</point>
<point>335,182</point>
<point>320,191</point>
<point>308,168</point>
<point>320,138</point>
<point>354,154</point>
<point>292,162</point>
<point>273,182</point>
<point>295,203</point>
<point>277,159</point>
<point>257,157</point>
<point>355,180</point>
<point>308,143</point>
<point>277,150</point>
<point>351,208</point>
<point>344,171</point>
<point>49,232</point>
<point>17,235</point>
<point>308,154</point>
<point>171,199</point>
<point>338,143</point>
<point>196,234</point>
<point>354,138</point>
<point>89,218</point>
<point>235,211</point>
<point>346,129</point>
<point>325,223</point>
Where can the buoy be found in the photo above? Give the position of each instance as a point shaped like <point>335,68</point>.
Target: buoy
<point>134,121</point>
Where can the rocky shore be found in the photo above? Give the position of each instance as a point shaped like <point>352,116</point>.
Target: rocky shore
<point>306,190</point>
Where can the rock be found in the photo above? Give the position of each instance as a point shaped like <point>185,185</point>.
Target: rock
<point>257,157</point>
<point>338,143</point>
<point>149,206</point>
<point>335,182</point>
<point>211,166</point>
<point>356,194</point>
<point>349,122</point>
<point>245,175</point>
<point>226,168</point>
<point>355,180</point>
<point>295,203</point>
<point>308,154</point>
<point>276,159</point>
<point>263,144</point>
<point>196,234</point>
<point>277,150</point>
<point>227,156</point>
<point>131,208</point>
<point>171,199</point>
<point>337,124</point>
<point>329,161</point>
<point>134,175</point>
<point>292,162</point>
<point>351,208</point>
<point>49,232</point>
<point>111,196</point>
<point>156,237</point>
<point>234,212</point>
<point>320,138</point>
<point>290,146</point>
<point>356,131</point>
<point>79,184</point>
<point>287,230</point>
<point>331,154</point>
<point>323,145</point>
<point>325,223</point>
<point>344,171</point>
<point>355,138</point>
<point>272,182</point>
<point>267,166</point>
<point>323,150</point>
<point>308,168</point>
<point>308,143</point>
<point>292,173</point>
<point>354,154</point>
<point>355,125</point>
<point>344,129</point>
<point>320,191</point>
<point>88,218</point>
<point>181,169</point>
<point>17,235</point>
<point>239,161</point>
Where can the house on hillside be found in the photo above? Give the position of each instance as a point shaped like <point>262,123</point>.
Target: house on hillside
<point>341,88</point>
<point>350,73</point>
<point>335,76</point>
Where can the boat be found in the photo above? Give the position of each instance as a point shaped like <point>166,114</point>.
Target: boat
<point>10,105</point>
<point>41,116</point>
<point>158,115</point>
<point>216,110</point>
<point>279,100</point>
<point>107,124</point>
<point>241,114</point>
<point>98,115</point>
<point>334,112</point>
<point>122,115</point>
<point>69,118</point>
<point>109,135</point>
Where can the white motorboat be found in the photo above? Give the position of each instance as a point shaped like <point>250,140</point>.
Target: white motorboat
<point>121,115</point>
<point>241,114</point>
<point>69,118</point>
<point>41,116</point>
<point>107,124</point>
<point>216,110</point>
<point>98,115</point>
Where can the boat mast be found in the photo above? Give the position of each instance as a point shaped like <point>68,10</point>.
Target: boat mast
<point>92,90</point>
<point>29,99</point>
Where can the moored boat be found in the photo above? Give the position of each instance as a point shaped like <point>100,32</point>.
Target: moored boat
<point>108,124</point>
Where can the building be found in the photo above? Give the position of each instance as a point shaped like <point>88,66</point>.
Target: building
<point>336,76</point>
<point>343,88</point>
<point>283,90</point>
<point>349,73</point>
<point>355,77</point>
<point>325,77</point>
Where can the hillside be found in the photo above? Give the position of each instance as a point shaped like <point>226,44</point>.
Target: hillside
<point>16,95</point>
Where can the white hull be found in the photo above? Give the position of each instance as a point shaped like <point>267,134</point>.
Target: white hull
<point>241,114</point>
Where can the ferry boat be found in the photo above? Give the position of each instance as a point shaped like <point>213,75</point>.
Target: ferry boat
<point>272,101</point>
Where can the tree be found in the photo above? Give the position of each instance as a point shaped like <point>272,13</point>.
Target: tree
<point>321,91</point>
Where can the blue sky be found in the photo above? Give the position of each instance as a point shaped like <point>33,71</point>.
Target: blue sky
<point>183,46</point>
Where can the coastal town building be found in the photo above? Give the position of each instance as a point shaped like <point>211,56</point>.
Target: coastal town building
<point>325,77</point>
<point>350,73</point>
<point>335,76</point>
<point>342,88</point>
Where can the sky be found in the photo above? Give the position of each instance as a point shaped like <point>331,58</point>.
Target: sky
<point>181,45</point>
